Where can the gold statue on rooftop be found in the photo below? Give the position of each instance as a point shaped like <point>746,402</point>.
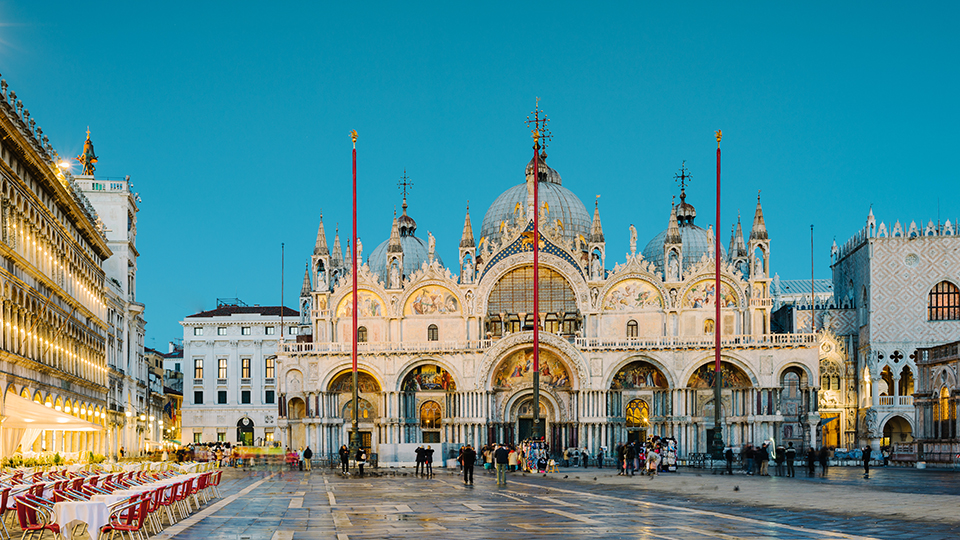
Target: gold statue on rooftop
<point>87,158</point>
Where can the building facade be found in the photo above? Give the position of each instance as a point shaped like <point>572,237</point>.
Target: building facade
<point>132,398</point>
<point>626,348</point>
<point>229,386</point>
<point>54,315</point>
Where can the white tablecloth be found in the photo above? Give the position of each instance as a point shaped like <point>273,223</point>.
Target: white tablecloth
<point>94,513</point>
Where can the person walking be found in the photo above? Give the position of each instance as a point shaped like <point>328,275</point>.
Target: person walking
<point>361,461</point>
<point>307,457</point>
<point>728,455</point>
<point>811,461</point>
<point>621,456</point>
<point>566,457</point>
<point>428,461</point>
<point>866,461</point>
<point>748,453</point>
<point>468,457</point>
<point>823,456</point>
<point>502,458</point>
<point>630,455</point>
<point>344,459</point>
<point>420,464</point>
<point>513,459</point>
<point>790,454</point>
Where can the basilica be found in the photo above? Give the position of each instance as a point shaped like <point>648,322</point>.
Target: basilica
<point>626,345</point>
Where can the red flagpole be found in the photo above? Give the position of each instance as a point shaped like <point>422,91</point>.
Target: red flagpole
<point>355,431</point>
<point>717,443</point>
<point>536,285</point>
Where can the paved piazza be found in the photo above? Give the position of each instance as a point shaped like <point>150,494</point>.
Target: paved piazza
<point>265,505</point>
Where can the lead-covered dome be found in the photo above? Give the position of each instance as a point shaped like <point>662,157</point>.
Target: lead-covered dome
<point>563,205</point>
<point>415,250</point>
<point>695,245</point>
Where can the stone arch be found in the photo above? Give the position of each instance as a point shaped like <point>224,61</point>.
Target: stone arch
<point>448,287</point>
<point>710,280</point>
<point>372,301</point>
<point>630,358</point>
<point>894,421</point>
<point>342,381</point>
<point>411,365</point>
<point>296,408</point>
<point>807,371</point>
<point>575,362</point>
<point>688,374</point>
<point>651,279</point>
<point>520,395</point>
<point>293,382</point>
<point>573,277</point>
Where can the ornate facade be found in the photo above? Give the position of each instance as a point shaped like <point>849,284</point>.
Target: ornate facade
<point>626,344</point>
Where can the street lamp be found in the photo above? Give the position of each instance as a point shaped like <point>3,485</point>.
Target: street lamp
<point>128,413</point>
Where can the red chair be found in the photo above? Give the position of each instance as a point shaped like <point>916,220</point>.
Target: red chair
<point>76,483</point>
<point>167,500</point>
<point>17,478</point>
<point>35,518</point>
<point>129,518</point>
<point>197,491</point>
<point>4,502</point>
<point>183,505</point>
<point>36,489</point>
<point>156,498</point>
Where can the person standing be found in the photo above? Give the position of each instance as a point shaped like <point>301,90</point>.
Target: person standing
<point>728,454</point>
<point>502,458</point>
<point>823,456</point>
<point>467,459</point>
<point>585,457</point>
<point>566,457</point>
<point>811,461</point>
<point>600,458</point>
<point>780,457</point>
<point>428,461</point>
<point>790,454</point>
<point>307,457</point>
<point>866,461</point>
<point>344,459</point>
<point>763,456</point>
<point>629,455</point>
<point>749,454</point>
<point>420,463</point>
<point>361,461</point>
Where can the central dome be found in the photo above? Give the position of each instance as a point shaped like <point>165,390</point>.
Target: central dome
<point>563,205</point>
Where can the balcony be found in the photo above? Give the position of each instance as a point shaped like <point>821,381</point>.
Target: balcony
<point>761,302</point>
<point>269,381</point>
<point>899,401</point>
<point>198,382</point>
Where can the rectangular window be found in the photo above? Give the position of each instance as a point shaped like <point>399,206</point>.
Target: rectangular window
<point>245,330</point>
<point>222,368</point>
<point>271,330</point>
<point>245,397</point>
<point>198,368</point>
<point>197,331</point>
<point>293,330</point>
<point>268,436</point>
<point>176,367</point>
<point>197,438</point>
<point>198,397</point>
<point>268,368</point>
<point>221,397</point>
<point>221,330</point>
<point>221,436</point>
<point>244,368</point>
<point>268,396</point>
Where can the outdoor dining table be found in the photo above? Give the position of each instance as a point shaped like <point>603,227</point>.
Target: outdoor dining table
<point>95,514</point>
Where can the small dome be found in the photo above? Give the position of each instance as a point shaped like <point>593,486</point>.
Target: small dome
<point>695,245</point>
<point>414,255</point>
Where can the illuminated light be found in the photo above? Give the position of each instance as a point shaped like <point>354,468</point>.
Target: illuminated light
<point>143,417</point>
<point>66,409</point>
<point>129,414</point>
<point>48,404</point>
<point>152,418</point>
<point>64,164</point>
<point>83,412</point>
<point>58,408</point>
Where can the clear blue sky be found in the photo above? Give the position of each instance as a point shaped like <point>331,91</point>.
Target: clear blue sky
<point>232,120</point>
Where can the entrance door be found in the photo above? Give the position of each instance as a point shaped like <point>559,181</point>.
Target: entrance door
<point>638,436</point>
<point>709,446</point>
<point>366,439</point>
<point>524,429</point>
<point>245,432</point>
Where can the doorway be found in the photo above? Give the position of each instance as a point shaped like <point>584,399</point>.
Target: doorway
<point>638,436</point>
<point>245,432</point>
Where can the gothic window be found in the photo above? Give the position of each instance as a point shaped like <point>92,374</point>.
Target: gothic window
<point>638,414</point>
<point>633,330</point>
<point>433,334</point>
<point>362,334</point>
<point>829,376</point>
<point>944,302</point>
<point>430,421</point>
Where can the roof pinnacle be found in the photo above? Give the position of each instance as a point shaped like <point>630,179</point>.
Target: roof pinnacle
<point>466,241</point>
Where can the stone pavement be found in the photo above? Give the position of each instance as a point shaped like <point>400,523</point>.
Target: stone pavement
<point>323,504</point>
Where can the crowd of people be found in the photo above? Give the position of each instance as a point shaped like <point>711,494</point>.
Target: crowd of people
<point>755,460</point>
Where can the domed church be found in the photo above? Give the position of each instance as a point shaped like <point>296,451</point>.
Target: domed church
<point>626,346</point>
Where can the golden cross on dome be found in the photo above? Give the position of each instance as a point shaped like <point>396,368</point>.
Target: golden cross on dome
<point>539,124</point>
<point>404,183</point>
<point>683,176</point>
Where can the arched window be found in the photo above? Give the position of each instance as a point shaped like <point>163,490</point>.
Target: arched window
<point>633,330</point>
<point>638,414</point>
<point>430,421</point>
<point>944,302</point>
<point>362,334</point>
<point>433,334</point>
<point>945,415</point>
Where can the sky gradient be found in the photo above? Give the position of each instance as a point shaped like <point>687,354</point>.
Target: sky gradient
<point>232,120</point>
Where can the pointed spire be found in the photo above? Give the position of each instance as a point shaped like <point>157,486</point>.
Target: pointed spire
<point>305,290</point>
<point>348,260</point>
<point>336,258</point>
<point>466,241</point>
<point>737,246</point>
<point>321,246</point>
<point>759,231</point>
<point>395,246</point>
<point>596,230</point>
<point>673,228</point>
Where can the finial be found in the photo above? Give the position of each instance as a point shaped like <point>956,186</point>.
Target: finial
<point>353,137</point>
<point>596,203</point>
<point>539,125</point>
<point>682,177</point>
<point>88,133</point>
<point>719,136</point>
<point>758,196</point>
<point>404,183</point>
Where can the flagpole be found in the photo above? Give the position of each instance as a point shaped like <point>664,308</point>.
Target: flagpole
<point>536,283</point>
<point>717,385</point>
<point>813,292</point>
<point>355,429</point>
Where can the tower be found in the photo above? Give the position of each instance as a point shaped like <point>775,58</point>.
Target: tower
<point>673,250</point>
<point>395,255</point>
<point>306,300</point>
<point>321,261</point>
<point>467,251</point>
<point>737,252</point>
<point>758,251</point>
<point>596,246</point>
<point>336,269</point>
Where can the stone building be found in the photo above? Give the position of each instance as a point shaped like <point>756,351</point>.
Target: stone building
<point>229,387</point>
<point>52,342</point>
<point>626,346</point>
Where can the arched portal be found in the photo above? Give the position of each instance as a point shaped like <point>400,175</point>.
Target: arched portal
<point>245,431</point>
<point>522,417</point>
<point>896,430</point>
<point>368,389</point>
<point>638,420</point>
<point>296,410</point>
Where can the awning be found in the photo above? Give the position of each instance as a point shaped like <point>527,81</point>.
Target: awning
<point>20,413</point>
